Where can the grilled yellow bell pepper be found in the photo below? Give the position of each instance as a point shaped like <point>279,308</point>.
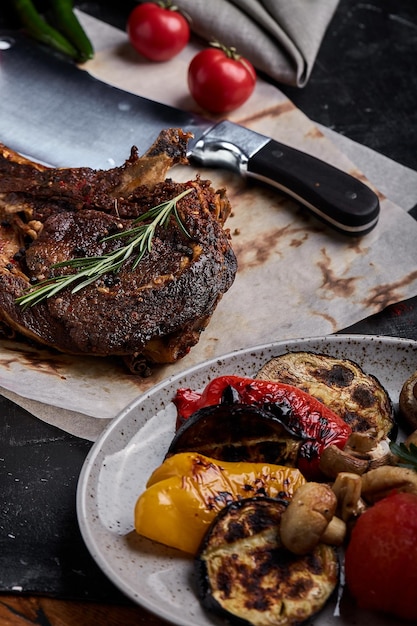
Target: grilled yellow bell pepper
<point>185,493</point>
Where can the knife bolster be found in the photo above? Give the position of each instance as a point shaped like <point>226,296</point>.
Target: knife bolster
<point>227,145</point>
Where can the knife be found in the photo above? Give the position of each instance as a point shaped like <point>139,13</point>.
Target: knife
<point>58,114</point>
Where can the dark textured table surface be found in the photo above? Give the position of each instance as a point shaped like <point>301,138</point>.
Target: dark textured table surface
<point>364,85</point>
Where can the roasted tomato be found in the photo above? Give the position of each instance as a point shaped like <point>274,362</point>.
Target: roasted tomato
<point>381,557</point>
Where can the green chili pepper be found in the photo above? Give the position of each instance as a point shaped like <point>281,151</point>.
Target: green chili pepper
<point>68,37</point>
<point>67,22</point>
<point>39,29</point>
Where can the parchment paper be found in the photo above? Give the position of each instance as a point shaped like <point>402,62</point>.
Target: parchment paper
<point>296,278</point>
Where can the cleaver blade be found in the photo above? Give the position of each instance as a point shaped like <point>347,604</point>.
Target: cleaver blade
<point>56,113</point>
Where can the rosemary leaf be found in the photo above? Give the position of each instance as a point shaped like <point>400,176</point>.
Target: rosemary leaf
<point>89,269</point>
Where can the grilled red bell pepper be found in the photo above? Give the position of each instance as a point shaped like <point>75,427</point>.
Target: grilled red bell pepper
<point>312,421</point>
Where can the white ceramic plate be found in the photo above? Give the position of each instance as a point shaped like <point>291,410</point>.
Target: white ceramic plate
<point>120,462</point>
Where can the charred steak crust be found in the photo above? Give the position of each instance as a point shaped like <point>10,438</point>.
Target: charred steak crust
<point>157,309</point>
<point>40,190</point>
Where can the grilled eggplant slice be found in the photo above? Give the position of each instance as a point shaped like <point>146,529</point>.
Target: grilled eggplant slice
<point>342,385</point>
<point>237,432</point>
<point>245,574</point>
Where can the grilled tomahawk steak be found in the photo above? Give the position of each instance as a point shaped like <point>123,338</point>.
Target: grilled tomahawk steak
<point>155,311</point>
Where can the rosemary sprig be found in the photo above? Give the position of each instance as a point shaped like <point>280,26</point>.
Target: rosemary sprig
<point>139,241</point>
<point>406,454</point>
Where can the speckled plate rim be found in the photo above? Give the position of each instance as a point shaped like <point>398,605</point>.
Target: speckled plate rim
<point>391,359</point>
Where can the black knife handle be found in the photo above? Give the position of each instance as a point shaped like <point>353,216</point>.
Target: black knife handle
<point>335,197</point>
<point>339,199</point>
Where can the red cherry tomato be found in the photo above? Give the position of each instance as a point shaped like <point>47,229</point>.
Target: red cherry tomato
<point>158,33</point>
<point>220,80</point>
<point>381,557</point>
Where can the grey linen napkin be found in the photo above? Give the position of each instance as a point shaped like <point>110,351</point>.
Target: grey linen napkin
<point>281,38</point>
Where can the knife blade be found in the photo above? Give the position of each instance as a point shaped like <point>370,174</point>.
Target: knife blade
<point>57,113</point>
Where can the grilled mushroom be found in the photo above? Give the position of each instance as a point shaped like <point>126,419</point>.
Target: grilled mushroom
<point>351,459</point>
<point>381,481</point>
<point>347,488</point>
<point>408,401</point>
<point>309,519</point>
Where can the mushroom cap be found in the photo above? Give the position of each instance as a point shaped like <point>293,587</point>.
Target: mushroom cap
<point>307,517</point>
<point>408,401</point>
<point>381,481</point>
<point>333,461</point>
